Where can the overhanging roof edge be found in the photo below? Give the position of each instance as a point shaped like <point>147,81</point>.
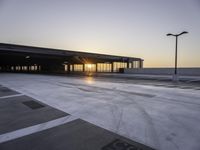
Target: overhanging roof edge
<point>60,52</point>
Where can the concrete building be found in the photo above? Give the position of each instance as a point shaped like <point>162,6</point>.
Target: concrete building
<point>20,58</point>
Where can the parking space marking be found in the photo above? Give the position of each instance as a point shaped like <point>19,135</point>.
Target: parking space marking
<point>36,128</point>
<point>15,95</point>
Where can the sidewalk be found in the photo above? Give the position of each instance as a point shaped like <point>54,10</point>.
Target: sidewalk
<point>149,77</point>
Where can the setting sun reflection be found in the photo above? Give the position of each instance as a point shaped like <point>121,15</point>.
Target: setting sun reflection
<point>89,80</point>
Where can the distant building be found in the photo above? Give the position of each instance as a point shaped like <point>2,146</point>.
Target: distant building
<point>19,58</point>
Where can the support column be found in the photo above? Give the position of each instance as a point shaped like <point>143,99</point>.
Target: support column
<point>96,67</point>
<point>131,64</point>
<point>39,68</point>
<point>127,64</point>
<point>6,68</point>
<point>72,67</point>
<point>83,67</point>
<point>141,64</point>
<point>112,67</point>
<point>68,68</point>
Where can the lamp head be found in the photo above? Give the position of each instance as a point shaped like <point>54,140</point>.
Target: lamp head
<point>184,32</point>
<point>169,34</point>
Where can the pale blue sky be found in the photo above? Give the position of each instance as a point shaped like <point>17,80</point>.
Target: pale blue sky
<point>121,27</point>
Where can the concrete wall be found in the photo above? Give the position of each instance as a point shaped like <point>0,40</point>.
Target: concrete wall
<point>164,71</point>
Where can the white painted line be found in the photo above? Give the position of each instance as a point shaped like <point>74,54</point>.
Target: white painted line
<point>36,128</point>
<point>11,96</point>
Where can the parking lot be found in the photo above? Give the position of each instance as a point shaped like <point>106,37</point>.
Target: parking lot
<point>65,112</point>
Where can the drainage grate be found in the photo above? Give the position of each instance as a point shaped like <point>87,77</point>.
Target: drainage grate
<point>5,90</point>
<point>120,145</point>
<point>33,104</point>
<point>185,87</point>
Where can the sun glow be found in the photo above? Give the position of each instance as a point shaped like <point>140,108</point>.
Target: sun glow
<point>89,66</point>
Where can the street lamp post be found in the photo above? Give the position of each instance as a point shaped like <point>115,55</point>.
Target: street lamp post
<point>175,77</point>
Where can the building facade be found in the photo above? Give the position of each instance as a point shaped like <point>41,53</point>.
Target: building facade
<point>20,58</point>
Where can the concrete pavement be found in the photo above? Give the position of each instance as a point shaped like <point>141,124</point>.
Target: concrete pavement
<point>27,123</point>
<point>161,115</point>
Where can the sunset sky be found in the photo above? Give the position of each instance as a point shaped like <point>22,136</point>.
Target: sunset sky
<point>134,28</point>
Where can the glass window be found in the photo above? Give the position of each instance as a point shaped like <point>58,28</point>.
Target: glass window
<point>78,67</point>
<point>90,67</point>
<point>104,67</point>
